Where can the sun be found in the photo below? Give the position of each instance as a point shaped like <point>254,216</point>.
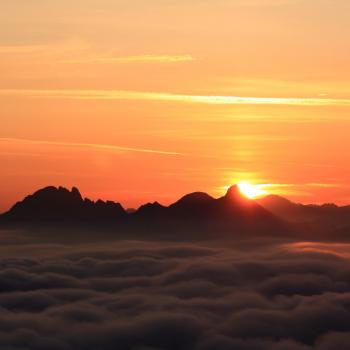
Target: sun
<point>252,191</point>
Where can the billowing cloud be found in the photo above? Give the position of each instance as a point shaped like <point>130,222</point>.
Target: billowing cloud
<point>179,296</point>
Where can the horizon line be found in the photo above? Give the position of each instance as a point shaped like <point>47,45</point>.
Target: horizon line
<point>125,208</point>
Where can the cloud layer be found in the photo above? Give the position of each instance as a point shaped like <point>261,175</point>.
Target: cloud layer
<point>176,297</point>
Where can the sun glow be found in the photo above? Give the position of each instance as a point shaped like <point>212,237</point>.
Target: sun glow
<point>252,191</point>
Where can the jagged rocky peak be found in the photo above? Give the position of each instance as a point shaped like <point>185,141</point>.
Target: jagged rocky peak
<point>235,196</point>
<point>59,203</point>
<point>76,193</point>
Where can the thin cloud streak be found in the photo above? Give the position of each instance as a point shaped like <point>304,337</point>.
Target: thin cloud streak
<point>169,97</point>
<point>92,145</point>
<point>135,59</point>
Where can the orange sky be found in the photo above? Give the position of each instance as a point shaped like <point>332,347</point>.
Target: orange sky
<point>147,100</point>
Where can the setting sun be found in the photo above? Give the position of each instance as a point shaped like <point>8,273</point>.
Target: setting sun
<point>252,191</point>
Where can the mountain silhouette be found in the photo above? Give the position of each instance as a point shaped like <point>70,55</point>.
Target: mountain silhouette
<point>199,213</point>
<point>191,206</point>
<point>233,206</point>
<point>322,217</point>
<point>194,212</point>
<point>150,211</point>
<point>59,205</point>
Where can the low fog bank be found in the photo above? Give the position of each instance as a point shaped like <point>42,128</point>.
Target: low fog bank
<point>249,294</point>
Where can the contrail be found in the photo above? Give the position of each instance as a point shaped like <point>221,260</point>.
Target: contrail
<point>93,145</point>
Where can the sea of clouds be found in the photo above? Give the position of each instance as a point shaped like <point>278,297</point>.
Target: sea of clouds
<point>175,296</point>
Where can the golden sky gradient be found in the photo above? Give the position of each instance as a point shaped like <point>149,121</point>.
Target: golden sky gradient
<point>147,100</point>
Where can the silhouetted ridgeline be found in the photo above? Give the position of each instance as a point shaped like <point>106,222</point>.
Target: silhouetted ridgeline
<point>325,217</point>
<point>196,213</point>
<point>296,212</point>
<point>61,207</point>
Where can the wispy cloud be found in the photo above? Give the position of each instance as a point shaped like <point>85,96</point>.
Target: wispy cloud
<point>297,189</point>
<point>325,185</point>
<point>170,97</point>
<point>105,147</point>
<point>21,49</point>
<point>265,3</point>
<point>134,59</point>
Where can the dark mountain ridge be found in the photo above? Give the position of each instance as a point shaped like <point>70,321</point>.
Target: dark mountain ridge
<point>324,216</point>
<point>52,204</point>
<point>59,206</point>
<point>201,212</point>
<point>194,212</point>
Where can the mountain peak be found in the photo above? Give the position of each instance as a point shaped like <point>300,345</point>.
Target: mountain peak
<point>76,193</point>
<point>233,191</point>
<point>195,197</point>
<point>273,199</point>
<point>150,210</point>
<point>235,195</point>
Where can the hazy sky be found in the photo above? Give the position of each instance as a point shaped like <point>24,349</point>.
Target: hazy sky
<point>141,100</point>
